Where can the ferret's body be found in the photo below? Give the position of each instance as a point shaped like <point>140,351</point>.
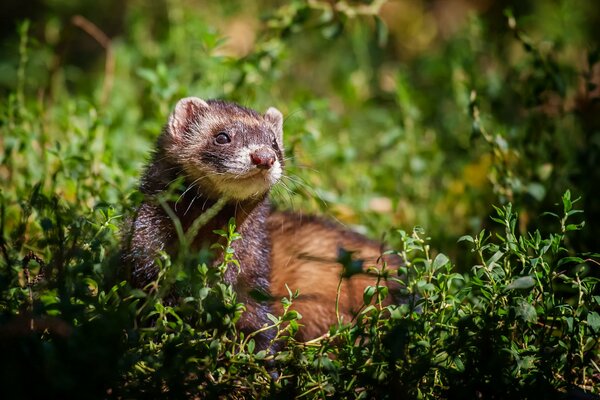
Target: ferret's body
<point>232,155</point>
<point>305,257</point>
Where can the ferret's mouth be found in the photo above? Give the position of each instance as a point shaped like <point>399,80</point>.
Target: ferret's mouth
<point>252,175</point>
<point>247,184</point>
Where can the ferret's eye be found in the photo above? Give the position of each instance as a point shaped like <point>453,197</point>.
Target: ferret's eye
<point>222,138</point>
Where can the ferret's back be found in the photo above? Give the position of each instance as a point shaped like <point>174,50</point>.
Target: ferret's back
<point>304,256</point>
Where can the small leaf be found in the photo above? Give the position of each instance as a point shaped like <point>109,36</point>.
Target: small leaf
<point>291,315</point>
<point>566,199</point>
<point>550,214</point>
<point>368,294</point>
<point>522,282</point>
<point>382,292</point>
<point>593,320</point>
<point>526,311</point>
<point>368,309</point>
<point>439,261</point>
<point>536,190</point>
<point>575,227</point>
<point>273,318</point>
<point>466,238</point>
<point>425,286</point>
<point>395,312</point>
<point>460,366</point>
<point>567,260</point>
<point>493,259</point>
<point>573,212</point>
<point>203,293</point>
<point>569,321</point>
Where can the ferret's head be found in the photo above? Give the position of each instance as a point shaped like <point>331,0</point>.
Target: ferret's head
<point>226,149</point>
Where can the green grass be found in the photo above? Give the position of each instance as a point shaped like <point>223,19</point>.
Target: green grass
<point>387,127</point>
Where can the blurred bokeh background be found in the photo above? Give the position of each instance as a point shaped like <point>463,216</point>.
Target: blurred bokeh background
<point>398,113</point>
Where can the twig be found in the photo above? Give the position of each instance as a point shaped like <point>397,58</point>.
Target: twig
<point>592,261</point>
<point>25,264</point>
<point>103,40</point>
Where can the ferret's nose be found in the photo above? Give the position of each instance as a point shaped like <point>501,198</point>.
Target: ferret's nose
<point>263,158</point>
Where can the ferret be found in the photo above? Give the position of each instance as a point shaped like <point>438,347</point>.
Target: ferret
<point>234,155</point>
<point>223,152</point>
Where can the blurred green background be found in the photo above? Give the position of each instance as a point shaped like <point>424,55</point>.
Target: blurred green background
<point>398,113</point>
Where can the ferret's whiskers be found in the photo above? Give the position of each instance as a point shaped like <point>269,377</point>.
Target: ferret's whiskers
<point>285,191</point>
<point>190,205</point>
<point>191,185</point>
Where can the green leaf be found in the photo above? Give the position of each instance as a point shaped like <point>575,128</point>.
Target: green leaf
<point>460,366</point>
<point>395,312</point>
<point>368,294</point>
<point>203,293</point>
<point>526,311</point>
<point>593,320</point>
<point>273,318</point>
<point>550,214</point>
<point>291,315</point>
<point>567,260</point>
<point>382,292</point>
<point>425,286</point>
<point>569,321</point>
<point>466,238</point>
<point>573,212</point>
<point>575,227</point>
<point>439,261</point>
<point>369,309</point>
<point>566,199</point>
<point>536,190</point>
<point>522,282</point>
<point>494,258</point>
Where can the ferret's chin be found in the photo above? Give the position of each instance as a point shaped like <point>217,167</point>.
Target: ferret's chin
<point>246,188</point>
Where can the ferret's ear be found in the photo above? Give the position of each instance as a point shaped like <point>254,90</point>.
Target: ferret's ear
<point>275,117</point>
<point>183,114</point>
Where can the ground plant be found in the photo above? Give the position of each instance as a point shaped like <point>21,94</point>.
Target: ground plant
<point>465,135</point>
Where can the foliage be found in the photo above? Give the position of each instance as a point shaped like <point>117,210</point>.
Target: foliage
<point>395,118</point>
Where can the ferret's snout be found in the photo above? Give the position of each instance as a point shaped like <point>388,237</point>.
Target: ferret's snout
<point>263,158</point>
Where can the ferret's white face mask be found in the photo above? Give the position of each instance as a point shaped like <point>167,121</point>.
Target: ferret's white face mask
<point>229,150</point>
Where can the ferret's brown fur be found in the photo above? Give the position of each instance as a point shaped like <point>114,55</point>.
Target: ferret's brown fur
<point>304,256</point>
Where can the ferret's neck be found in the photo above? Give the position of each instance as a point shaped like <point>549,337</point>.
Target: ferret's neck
<point>191,199</point>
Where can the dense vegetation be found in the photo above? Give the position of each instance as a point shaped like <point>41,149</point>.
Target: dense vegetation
<point>477,124</point>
